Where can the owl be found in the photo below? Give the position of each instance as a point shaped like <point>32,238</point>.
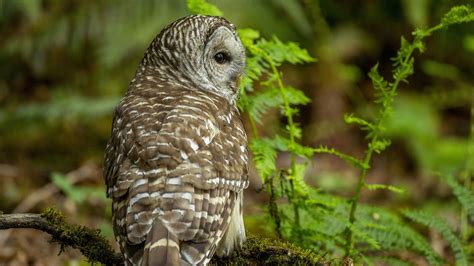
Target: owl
<point>176,163</point>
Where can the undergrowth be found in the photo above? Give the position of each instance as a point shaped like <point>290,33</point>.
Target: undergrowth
<point>308,217</point>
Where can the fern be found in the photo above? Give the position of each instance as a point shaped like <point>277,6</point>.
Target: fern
<point>203,7</point>
<point>352,160</point>
<point>444,229</point>
<point>384,97</point>
<point>464,196</point>
<point>284,52</point>
<point>387,187</point>
<point>457,15</point>
<point>308,217</point>
<point>363,124</point>
<point>300,186</point>
<point>377,229</point>
<point>271,97</point>
<point>264,157</point>
<point>398,237</point>
<point>263,58</point>
<point>390,233</point>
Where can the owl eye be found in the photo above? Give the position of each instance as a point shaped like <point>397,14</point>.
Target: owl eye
<point>222,57</point>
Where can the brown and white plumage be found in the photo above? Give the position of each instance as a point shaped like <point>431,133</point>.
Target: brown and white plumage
<point>176,163</point>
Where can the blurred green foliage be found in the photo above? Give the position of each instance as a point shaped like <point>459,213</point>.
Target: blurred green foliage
<point>448,155</point>
<point>329,223</point>
<point>76,193</point>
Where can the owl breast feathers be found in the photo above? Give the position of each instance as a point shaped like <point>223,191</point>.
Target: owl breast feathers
<point>176,163</point>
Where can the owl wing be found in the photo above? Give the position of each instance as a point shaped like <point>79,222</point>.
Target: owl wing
<point>166,159</point>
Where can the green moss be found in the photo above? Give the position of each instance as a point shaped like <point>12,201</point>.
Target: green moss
<point>256,251</point>
<point>90,242</point>
<point>264,251</point>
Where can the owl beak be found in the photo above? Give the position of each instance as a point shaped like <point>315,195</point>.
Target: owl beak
<point>237,82</point>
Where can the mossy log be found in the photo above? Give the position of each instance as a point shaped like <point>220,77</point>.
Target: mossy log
<point>96,248</point>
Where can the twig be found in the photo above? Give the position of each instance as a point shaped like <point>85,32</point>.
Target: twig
<point>25,220</point>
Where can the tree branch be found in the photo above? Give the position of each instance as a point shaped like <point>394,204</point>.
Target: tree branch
<point>90,242</point>
<point>25,220</point>
<point>97,249</point>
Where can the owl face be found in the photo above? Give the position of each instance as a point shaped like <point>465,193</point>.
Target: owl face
<point>202,52</point>
<point>224,60</point>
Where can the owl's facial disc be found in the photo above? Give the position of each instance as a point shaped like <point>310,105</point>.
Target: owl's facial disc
<point>224,59</point>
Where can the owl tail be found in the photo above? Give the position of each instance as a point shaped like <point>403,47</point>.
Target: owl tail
<point>161,247</point>
<point>234,237</point>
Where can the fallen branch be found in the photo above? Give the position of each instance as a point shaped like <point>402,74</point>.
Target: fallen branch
<point>95,247</point>
<point>90,242</point>
<point>86,171</point>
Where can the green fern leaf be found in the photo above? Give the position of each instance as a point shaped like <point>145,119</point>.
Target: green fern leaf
<point>264,157</point>
<point>380,145</point>
<point>464,196</point>
<point>458,14</point>
<point>364,125</point>
<point>386,187</point>
<point>444,229</point>
<point>285,52</point>
<point>248,36</point>
<point>392,234</point>
<point>350,159</point>
<point>378,81</point>
<point>300,185</point>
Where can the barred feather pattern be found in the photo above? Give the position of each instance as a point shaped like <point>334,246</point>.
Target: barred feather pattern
<point>176,163</point>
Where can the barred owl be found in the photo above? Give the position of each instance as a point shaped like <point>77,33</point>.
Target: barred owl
<point>176,163</point>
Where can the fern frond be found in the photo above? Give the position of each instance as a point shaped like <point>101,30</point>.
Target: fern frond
<point>464,196</point>
<point>271,97</point>
<point>458,14</point>
<point>316,200</point>
<point>248,36</point>
<point>264,157</point>
<point>396,236</point>
<point>364,237</point>
<point>379,82</point>
<point>393,234</point>
<point>296,96</point>
<point>300,185</point>
<point>386,187</point>
<point>364,124</point>
<point>352,160</point>
<point>262,101</point>
<point>285,52</point>
<point>444,229</point>
<point>379,145</point>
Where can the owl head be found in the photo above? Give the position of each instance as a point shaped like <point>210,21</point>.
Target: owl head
<point>202,52</point>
